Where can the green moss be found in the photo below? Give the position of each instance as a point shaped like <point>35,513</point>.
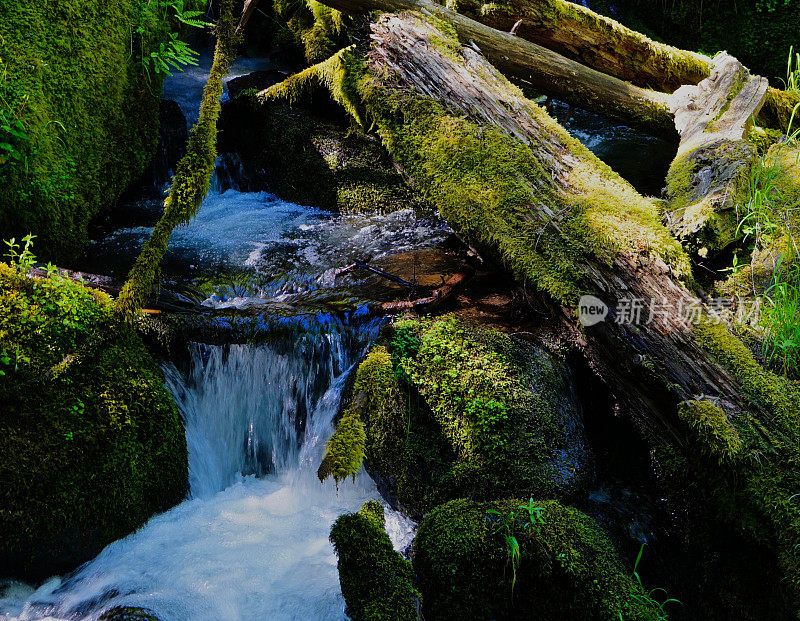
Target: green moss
<point>777,110</point>
<point>473,413</point>
<point>741,78</point>
<point>192,177</point>
<point>68,75</point>
<point>568,568</point>
<point>91,444</point>
<point>313,28</point>
<point>648,63</point>
<point>486,183</point>
<point>374,393</point>
<point>345,449</point>
<point>759,495</point>
<point>377,583</point>
<point>714,433</point>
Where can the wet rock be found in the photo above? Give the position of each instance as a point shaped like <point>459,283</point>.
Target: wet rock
<point>172,136</point>
<point>305,156</point>
<point>128,613</point>
<point>258,80</point>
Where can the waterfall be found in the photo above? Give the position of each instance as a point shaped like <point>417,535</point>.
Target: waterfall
<point>251,541</point>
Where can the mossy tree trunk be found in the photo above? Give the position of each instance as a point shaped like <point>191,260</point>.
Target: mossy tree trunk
<point>543,69</point>
<point>514,184</point>
<point>593,40</point>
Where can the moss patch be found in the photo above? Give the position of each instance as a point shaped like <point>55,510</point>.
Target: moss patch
<point>758,492</point>
<point>91,444</point>
<point>314,29</point>
<point>568,568</point>
<point>377,583</point>
<point>68,75</point>
<point>458,410</point>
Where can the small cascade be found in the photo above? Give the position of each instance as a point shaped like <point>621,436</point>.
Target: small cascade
<point>251,541</point>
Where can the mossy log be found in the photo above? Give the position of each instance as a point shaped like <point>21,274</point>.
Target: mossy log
<point>543,69</point>
<point>591,39</point>
<point>710,171</point>
<point>192,178</point>
<point>515,184</point>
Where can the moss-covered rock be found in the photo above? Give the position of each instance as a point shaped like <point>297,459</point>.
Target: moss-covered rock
<point>86,108</point>
<point>458,410</point>
<point>504,407</point>
<point>282,147</point>
<point>91,444</point>
<point>377,583</point>
<point>568,569</point>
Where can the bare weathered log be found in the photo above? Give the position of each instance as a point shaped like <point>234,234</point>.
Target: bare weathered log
<point>542,68</point>
<point>710,172</point>
<point>593,40</point>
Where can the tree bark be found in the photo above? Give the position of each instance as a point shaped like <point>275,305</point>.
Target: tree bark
<point>543,69</point>
<point>592,40</point>
<point>709,176</point>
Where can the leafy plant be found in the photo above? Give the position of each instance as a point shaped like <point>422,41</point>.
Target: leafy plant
<point>759,220</point>
<point>164,56</point>
<point>21,258</point>
<point>534,512</point>
<point>792,82</point>
<point>172,54</point>
<point>647,597</point>
<point>506,526</point>
<point>780,318</point>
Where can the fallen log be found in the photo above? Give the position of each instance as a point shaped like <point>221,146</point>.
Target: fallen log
<point>516,186</point>
<point>709,177</point>
<point>543,69</point>
<point>566,43</point>
<point>192,178</point>
<point>593,40</point>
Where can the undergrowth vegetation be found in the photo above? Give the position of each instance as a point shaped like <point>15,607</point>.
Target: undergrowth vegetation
<point>78,113</point>
<point>91,444</point>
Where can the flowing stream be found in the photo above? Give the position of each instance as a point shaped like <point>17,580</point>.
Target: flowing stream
<point>251,539</point>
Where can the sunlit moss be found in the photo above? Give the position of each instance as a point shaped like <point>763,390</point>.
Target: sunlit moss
<point>69,76</point>
<point>333,74</point>
<point>91,444</point>
<point>650,64</point>
<point>192,177</point>
<point>762,497</point>
<point>373,392</point>
<point>714,432</point>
